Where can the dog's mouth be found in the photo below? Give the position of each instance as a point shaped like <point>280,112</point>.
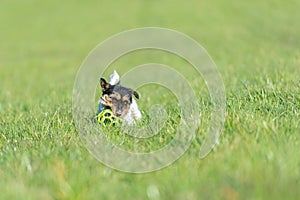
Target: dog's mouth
<point>119,114</point>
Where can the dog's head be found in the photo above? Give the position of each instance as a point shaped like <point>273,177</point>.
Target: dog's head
<point>117,97</point>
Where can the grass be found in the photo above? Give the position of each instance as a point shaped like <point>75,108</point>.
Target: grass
<point>256,47</point>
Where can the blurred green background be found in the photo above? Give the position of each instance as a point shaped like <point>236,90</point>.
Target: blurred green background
<point>255,45</point>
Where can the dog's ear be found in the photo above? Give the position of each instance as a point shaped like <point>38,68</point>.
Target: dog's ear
<point>104,85</point>
<point>135,94</point>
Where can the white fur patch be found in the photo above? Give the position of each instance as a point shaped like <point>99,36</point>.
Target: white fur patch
<point>114,78</point>
<point>133,113</point>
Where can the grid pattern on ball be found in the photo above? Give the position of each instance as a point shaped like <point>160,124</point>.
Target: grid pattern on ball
<point>107,118</point>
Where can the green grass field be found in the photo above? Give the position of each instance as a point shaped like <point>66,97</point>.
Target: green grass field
<point>255,45</point>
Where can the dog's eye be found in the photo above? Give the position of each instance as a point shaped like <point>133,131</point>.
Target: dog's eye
<point>125,102</point>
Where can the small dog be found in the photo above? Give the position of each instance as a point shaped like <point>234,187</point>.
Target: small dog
<point>119,99</point>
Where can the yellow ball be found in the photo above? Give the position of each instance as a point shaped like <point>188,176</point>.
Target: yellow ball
<point>107,118</point>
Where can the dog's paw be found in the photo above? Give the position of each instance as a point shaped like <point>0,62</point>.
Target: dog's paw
<point>106,100</point>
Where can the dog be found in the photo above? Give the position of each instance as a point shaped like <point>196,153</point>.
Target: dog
<point>119,99</point>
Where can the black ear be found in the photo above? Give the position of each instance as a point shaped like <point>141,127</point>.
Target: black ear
<point>104,85</point>
<point>135,94</point>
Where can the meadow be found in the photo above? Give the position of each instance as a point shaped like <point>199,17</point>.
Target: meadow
<point>255,45</point>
